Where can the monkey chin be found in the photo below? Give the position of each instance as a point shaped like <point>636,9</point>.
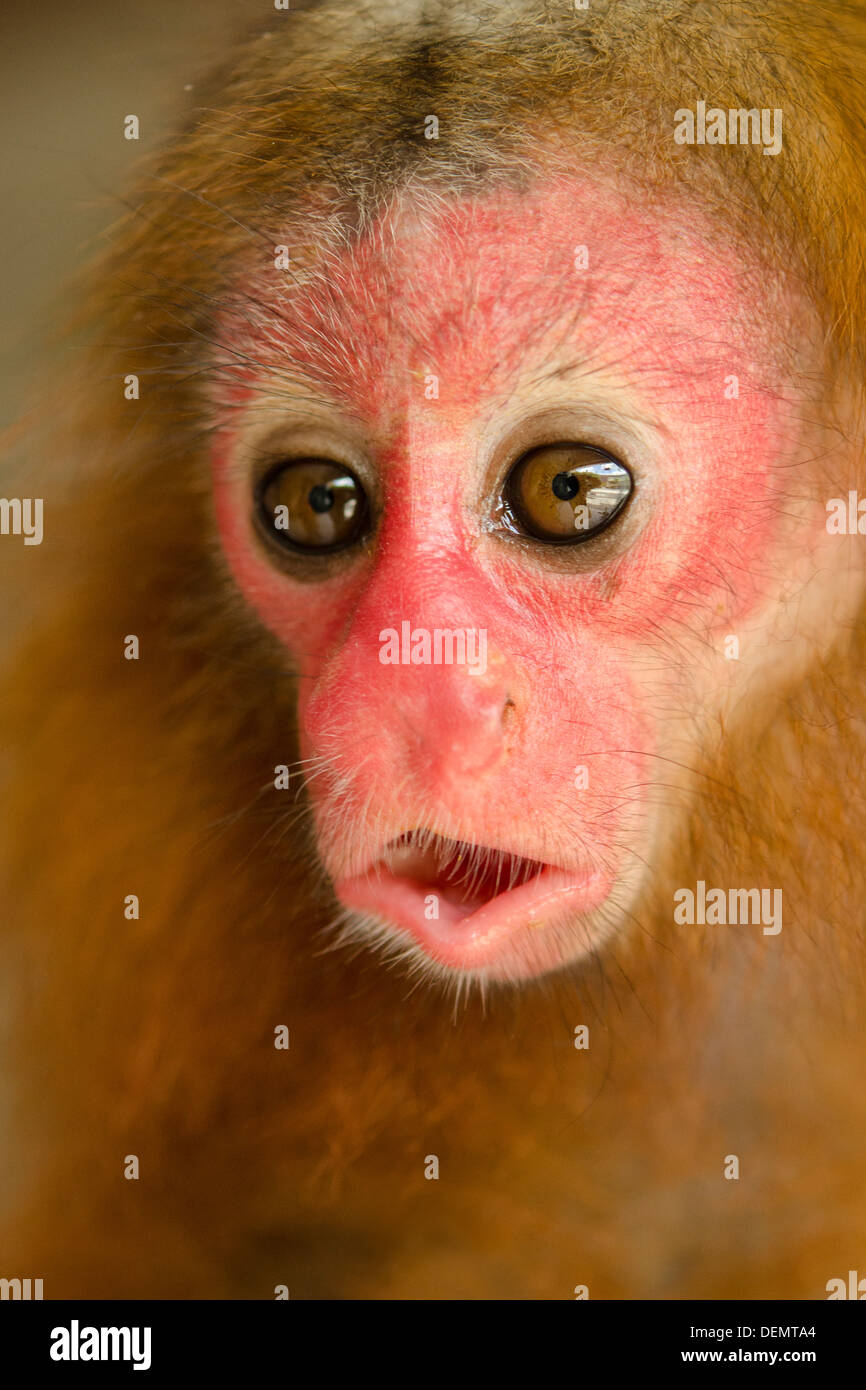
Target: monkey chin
<point>484,914</point>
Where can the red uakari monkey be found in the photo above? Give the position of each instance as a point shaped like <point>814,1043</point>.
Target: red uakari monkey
<point>435,816</point>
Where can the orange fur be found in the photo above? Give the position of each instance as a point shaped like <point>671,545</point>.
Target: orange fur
<point>155,1037</point>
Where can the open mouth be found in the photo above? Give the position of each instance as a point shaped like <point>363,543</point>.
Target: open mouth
<point>466,876</point>
<point>470,906</point>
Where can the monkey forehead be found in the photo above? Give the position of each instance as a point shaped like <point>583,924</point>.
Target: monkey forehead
<point>473,290</point>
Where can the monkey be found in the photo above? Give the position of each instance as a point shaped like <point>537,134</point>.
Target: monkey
<point>433,811</point>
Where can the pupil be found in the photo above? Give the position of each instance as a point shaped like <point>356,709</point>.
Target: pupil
<point>321,498</point>
<point>565,486</point>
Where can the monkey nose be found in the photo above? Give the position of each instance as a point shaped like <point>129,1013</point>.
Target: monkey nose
<point>435,706</point>
<point>455,725</point>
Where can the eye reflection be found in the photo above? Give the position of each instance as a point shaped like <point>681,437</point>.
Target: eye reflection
<point>565,493</point>
<point>312,504</point>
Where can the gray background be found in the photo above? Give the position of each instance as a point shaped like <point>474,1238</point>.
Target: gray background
<point>69,73</point>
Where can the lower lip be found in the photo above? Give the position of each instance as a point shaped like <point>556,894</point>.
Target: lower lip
<point>509,937</point>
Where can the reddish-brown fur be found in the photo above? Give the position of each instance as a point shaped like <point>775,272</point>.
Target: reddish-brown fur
<point>155,1037</point>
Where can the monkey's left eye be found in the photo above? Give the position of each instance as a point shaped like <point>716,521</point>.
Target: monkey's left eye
<point>565,493</point>
<point>313,504</point>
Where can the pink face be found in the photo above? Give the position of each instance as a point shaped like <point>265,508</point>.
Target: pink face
<point>493,813</point>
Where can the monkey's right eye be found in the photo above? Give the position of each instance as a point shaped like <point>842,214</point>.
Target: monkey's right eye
<point>313,505</point>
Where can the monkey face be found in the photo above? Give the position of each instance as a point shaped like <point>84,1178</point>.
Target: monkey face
<point>505,476</point>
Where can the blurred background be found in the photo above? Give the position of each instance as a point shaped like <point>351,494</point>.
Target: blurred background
<point>69,74</point>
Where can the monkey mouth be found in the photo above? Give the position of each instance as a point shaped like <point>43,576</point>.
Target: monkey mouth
<point>470,906</point>
<point>464,875</point>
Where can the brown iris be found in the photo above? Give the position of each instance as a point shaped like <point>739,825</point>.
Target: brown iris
<point>313,504</point>
<point>566,493</point>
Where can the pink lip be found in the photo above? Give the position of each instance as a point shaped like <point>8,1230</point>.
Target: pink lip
<point>505,937</point>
